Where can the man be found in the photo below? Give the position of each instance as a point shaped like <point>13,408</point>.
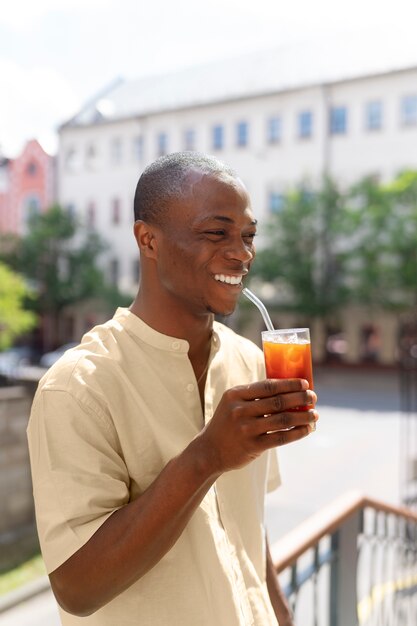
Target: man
<point>151,441</point>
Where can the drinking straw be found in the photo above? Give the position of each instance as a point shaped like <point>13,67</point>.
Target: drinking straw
<point>251,296</point>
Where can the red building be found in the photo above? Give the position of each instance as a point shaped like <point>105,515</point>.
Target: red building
<point>27,186</point>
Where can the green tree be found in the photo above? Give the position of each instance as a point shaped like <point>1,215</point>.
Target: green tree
<point>306,253</point>
<point>14,319</point>
<point>384,270</point>
<point>59,259</point>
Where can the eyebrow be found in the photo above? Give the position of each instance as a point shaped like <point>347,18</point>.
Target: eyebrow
<point>224,218</point>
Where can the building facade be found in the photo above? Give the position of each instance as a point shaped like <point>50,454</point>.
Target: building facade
<point>27,186</point>
<point>274,131</point>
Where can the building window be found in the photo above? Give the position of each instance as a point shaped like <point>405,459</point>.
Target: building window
<point>71,159</point>
<point>338,120</point>
<point>91,215</point>
<point>273,130</point>
<point>114,271</point>
<point>32,208</point>
<point>138,145</point>
<point>373,115</point>
<point>162,144</point>
<point>116,150</point>
<point>115,211</point>
<point>91,157</point>
<point>218,139</point>
<point>242,134</point>
<point>70,209</point>
<point>3,177</point>
<point>31,168</point>
<point>189,139</point>
<point>409,111</point>
<point>305,124</point>
<point>275,202</point>
<point>370,343</point>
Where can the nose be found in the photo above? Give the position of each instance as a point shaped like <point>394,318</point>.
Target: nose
<point>240,250</point>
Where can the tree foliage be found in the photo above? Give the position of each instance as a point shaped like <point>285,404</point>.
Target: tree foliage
<point>385,272</point>
<point>14,318</point>
<point>303,254</point>
<point>60,261</point>
<point>328,247</point>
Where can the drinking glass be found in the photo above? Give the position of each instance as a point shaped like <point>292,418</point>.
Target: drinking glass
<point>287,353</point>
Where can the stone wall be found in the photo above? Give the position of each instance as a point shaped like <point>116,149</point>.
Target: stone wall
<point>18,538</point>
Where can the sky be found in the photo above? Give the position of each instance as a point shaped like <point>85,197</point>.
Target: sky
<point>57,54</point>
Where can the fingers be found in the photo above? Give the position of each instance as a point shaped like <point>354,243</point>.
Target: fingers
<point>252,418</point>
<point>283,437</point>
<point>285,421</point>
<point>282,402</point>
<point>269,387</point>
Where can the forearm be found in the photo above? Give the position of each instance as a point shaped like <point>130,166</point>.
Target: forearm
<point>278,600</point>
<point>135,537</point>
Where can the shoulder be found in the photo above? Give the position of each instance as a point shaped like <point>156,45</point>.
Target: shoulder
<point>83,371</point>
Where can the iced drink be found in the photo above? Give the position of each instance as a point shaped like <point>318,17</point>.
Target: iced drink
<point>288,354</point>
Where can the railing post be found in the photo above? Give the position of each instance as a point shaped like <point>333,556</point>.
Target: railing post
<point>343,597</point>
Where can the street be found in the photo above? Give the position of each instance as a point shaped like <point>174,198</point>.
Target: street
<point>352,448</point>
<point>38,611</point>
<point>356,446</point>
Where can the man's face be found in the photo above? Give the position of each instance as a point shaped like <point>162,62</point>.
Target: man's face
<point>206,245</point>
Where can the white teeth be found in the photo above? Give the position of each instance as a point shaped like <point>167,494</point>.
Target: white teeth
<point>230,280</point>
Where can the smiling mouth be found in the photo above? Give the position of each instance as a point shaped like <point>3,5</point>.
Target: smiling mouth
<point>229,280</point>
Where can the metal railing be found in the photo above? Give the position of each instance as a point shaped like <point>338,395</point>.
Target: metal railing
<point>353,563</point>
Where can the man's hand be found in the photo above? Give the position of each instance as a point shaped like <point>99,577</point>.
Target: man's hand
<point>252,418</point>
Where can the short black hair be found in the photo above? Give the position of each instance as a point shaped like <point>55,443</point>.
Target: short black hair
<point>165,180</point>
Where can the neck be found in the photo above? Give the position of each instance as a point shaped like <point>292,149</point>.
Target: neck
<point>169,319</point>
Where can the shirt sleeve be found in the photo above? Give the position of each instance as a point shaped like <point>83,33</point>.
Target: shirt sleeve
<point>78,474</point>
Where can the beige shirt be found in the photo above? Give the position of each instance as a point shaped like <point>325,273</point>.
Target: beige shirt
<point>105,421</point>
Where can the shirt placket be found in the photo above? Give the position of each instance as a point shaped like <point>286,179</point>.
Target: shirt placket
<point>187,380</point>
<point>208,393</point>
<point>236,576</point>
<point>233,565</point>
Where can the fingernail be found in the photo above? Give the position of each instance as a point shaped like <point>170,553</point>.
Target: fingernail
<point>312,426</point>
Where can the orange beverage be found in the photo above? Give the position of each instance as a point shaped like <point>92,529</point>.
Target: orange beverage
<point>287,354</point>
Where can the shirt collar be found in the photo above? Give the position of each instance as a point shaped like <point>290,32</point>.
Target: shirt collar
<point>139,328</point>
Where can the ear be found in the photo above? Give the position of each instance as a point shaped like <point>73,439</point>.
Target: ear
<point>145,235</point>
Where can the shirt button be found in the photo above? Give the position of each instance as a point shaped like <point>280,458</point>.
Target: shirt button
<point>190,387</point>
<point>175,345</point>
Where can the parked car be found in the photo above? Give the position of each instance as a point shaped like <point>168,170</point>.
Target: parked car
<point>13,359</point>
<point>49,358</point>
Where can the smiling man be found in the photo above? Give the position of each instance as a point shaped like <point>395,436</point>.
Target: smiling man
<point>152,441</point>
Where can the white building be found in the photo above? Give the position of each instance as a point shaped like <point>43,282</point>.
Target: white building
<point>277,118</point>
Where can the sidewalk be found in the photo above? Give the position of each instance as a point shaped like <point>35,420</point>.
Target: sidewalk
<point>32,605</point>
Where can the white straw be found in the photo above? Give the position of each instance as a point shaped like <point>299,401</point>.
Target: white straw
<point>251,296</point>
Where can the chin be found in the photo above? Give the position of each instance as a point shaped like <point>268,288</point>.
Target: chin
<point>222,311</point>
<point>222,307</point>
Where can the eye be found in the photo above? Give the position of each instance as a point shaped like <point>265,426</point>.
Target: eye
<point>215,233</point>
<point>249,237</point>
